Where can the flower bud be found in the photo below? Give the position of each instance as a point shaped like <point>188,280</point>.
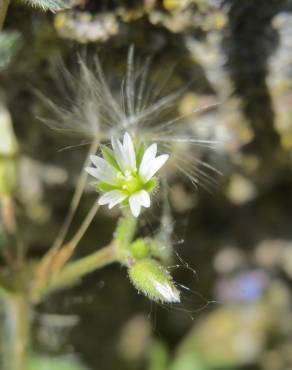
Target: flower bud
<point>154,281</point>
<point>140,249</point>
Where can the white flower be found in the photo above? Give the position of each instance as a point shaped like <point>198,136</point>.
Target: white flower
<point>124,177</point>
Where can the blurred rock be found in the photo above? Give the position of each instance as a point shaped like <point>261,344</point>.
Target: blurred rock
<point>84,27</point>
<point>135,338</point>
<point>240,189</point>
<point>229,259</point>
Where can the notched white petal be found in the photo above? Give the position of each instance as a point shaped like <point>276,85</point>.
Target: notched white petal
<point>92,171</point>
<point>156,164</point>
<point>144,198</point>
<point>137,200</point>
<point>95,159</point>
<point>129,152</point>
<point>148,157</point>
<point>112,198</point>
<point>119,154</point>
<point>104,171</point>
<point>135,205</point>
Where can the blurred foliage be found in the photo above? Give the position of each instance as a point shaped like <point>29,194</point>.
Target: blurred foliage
<point>10,43</point>
<point>46,363</point>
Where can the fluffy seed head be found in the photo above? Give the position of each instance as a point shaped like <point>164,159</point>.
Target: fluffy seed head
<point>94,111</point>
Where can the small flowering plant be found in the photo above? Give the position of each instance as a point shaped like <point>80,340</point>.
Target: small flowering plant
<point>126,176</point>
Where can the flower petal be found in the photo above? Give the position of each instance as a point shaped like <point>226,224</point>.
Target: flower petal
<point>105,172</point>
<point>129,151</point>
<point>135,205</point>
<point>154,166</point>
<point>137,200</point>
<point>144,198</point>
<point>148,157</point>
<point>119,154</point>
<point>92,171</point>
<point>112,198</point>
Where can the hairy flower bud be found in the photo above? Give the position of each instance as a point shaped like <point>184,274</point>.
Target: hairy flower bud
<point>154,281</point>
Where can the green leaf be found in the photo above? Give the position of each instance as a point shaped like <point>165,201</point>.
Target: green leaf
<point>159,356</point>
<point>189,361</point>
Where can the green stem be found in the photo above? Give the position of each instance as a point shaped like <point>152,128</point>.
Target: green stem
<point>3,10</point>
<point>17,314</point>
<point>124,235</point>
<point>117,251</point>
<point>74,271</point>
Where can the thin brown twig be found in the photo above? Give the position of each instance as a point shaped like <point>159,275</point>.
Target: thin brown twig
<point>75,200</point>
<point>67,250</point>
<point>7,207</point>
<point>46,262</point>
<point>3,11</point>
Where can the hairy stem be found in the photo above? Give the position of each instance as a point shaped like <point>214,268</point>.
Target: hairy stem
<point>116,251</point>
<point>3,10</point>
<point>16,331</point>
<point>124,235</point>
<point>76,270</point>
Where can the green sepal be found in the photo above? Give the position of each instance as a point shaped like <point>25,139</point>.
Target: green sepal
<point>109,156</point>
<point>151,185</point>
<point>103,186</point>
<point>140,154</point>
<point>140,249</point>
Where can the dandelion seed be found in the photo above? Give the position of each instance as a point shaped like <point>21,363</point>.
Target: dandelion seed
<point>125,176</point>
<point>95,112</point>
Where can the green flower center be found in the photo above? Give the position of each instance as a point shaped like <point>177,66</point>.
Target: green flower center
<point>130,182</point>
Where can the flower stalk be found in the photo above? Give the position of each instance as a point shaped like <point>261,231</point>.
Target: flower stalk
<point>16,331</point>
<point>3,11</point>
<point>74,271</point>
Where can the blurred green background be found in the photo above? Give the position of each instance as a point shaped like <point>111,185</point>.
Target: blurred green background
<point>233,244</point>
